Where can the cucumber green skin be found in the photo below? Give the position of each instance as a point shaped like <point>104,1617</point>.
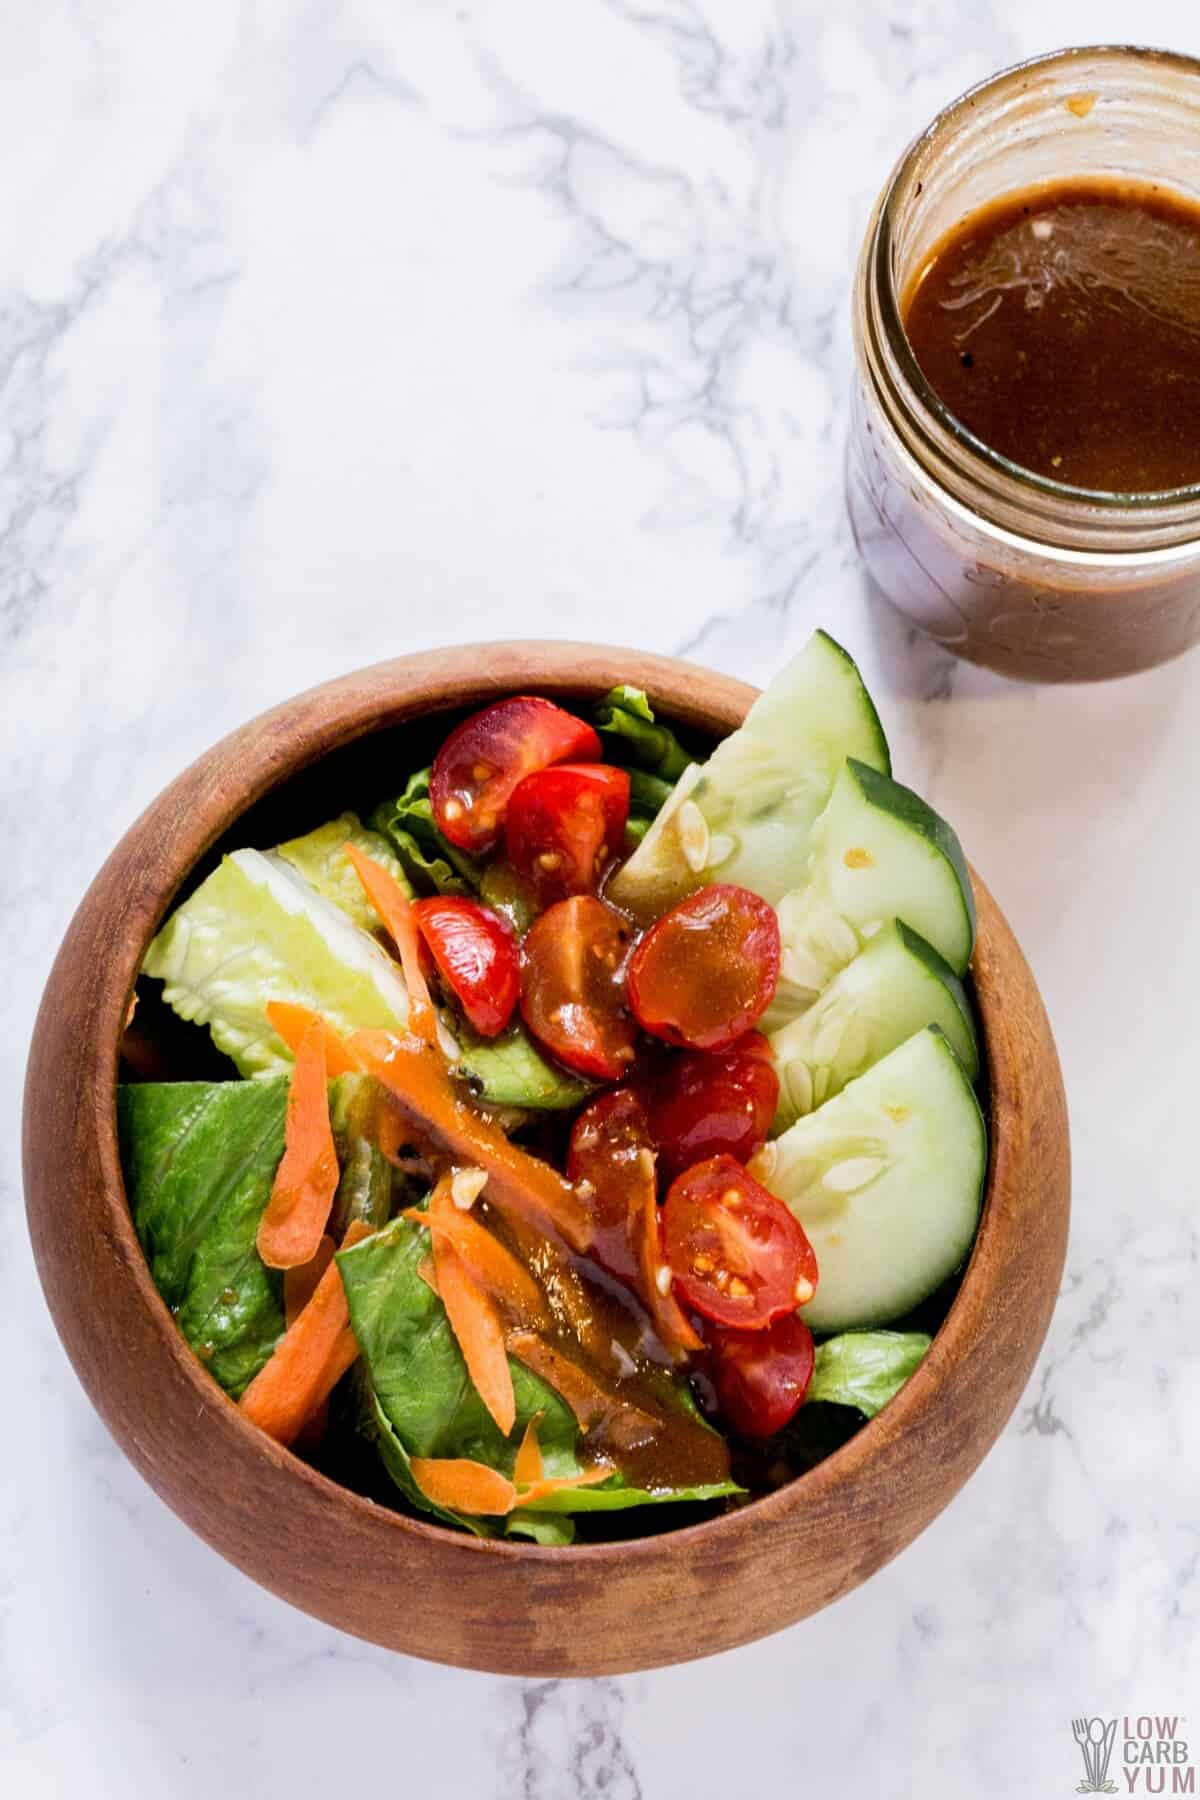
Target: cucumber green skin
<point>871,712</point>
<point>895,985</point>
<point>937,965</point>
<point>909,808</point>
<point>883,1249</point>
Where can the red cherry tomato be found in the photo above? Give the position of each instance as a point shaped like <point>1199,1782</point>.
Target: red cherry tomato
<point>736,1253</point>
<point>573,986</point>
<point>565,825</point>
<point>612,1151</point>
<point>483,759</point>
<point>713,1102</point>
<point>475,950</point>
<point>707,970</point>
<point>760,1378</point>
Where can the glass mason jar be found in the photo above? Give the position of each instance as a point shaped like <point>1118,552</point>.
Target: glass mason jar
<point>1003,566</point>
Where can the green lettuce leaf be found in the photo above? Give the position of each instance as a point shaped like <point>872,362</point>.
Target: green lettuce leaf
<point>551,1530</point>
<point>255,931</point>
<point>866,1369</point>
<point>199,1160</point>
<point>321,858</point>
<point>432,863</point>
<point>651,752</point>
<point>626,723</point>
<point>424,1403</point>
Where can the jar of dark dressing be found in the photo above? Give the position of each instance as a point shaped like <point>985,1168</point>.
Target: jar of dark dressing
<point>1024,462</point>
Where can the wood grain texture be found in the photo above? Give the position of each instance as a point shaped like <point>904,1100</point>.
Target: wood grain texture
<point>508,1607</point>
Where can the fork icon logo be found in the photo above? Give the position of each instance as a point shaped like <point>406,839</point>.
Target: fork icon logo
<point>1095,1739</point>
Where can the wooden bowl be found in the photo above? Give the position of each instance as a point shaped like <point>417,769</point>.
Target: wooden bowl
<point>484,1604</point>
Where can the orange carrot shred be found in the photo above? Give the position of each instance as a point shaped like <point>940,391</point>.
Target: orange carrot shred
<point>306,1179</point>
<point>465,1486</point>
<point>392,1132</point>
<point>478,1332</point>
<point>670,1321</point>
<point>290,1022</point>
<point>475,1323</point>
<point>462,1485</point>
<point>555,1484</point>
<point>395,909</point>
<point>428,1274</point>
<point>300,1284</point>
<point>494,1267</point>
<point>309,1360</point>
<point>529,1465</point>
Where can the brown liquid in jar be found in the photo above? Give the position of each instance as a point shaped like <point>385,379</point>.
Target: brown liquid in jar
<point>1061,326</point>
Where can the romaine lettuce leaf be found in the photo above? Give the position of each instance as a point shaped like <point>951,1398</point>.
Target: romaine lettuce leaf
<point>651,752</point>
<point>865,1369</point>
<point>432,863</point>
<point>423,1400</point>
<point>199,1160</point>
<point>321,858</point>
<point>625,720</point>
<point>255,931</point>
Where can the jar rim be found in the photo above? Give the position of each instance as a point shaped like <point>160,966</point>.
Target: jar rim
<point>1112,502</point>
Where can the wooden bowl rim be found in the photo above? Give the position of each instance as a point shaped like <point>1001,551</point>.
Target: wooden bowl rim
<point>291,737</point>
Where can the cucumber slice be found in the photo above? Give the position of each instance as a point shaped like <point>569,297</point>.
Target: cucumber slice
<point>878,853</point>
<point>886,1179</point>
<point>747,815</point>
<point>896,984</point>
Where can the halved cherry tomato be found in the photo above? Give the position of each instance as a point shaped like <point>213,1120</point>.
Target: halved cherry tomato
<point>612,1151</point>
<point>565,825</point>
<point>573,986</point>
<point>706,971</point>
<point>709,1102</point>
<point>735,1251</point>
<point>476,951</point>
<point>760,1378</point>
<point>483,759</point>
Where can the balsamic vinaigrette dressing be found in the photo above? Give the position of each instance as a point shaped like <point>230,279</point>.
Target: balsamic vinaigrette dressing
<point>1061,326</point>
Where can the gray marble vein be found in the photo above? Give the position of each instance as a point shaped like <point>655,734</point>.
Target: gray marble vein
<point>330,329</point>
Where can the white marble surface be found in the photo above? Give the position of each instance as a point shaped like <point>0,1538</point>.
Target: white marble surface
<point>336,329</point>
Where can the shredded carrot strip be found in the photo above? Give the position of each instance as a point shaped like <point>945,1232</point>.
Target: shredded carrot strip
<point>428,1274</point>
<point>474,1322</point>
<point>300,1284</point>
<point>395,909</point>
<point>306,1179</point>
<point>391,1130</point>
<point>291,1022</point>
<point>462,1485</point>
<point>670,1321</point>
<point>494,1267</point>
<point>518,1184</point>
<point>309,1360</point>
<point>529,1465</point>
<point>555,1484</point>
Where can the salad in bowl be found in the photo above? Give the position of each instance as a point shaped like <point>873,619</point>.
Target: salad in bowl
<point>588,1136</point>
